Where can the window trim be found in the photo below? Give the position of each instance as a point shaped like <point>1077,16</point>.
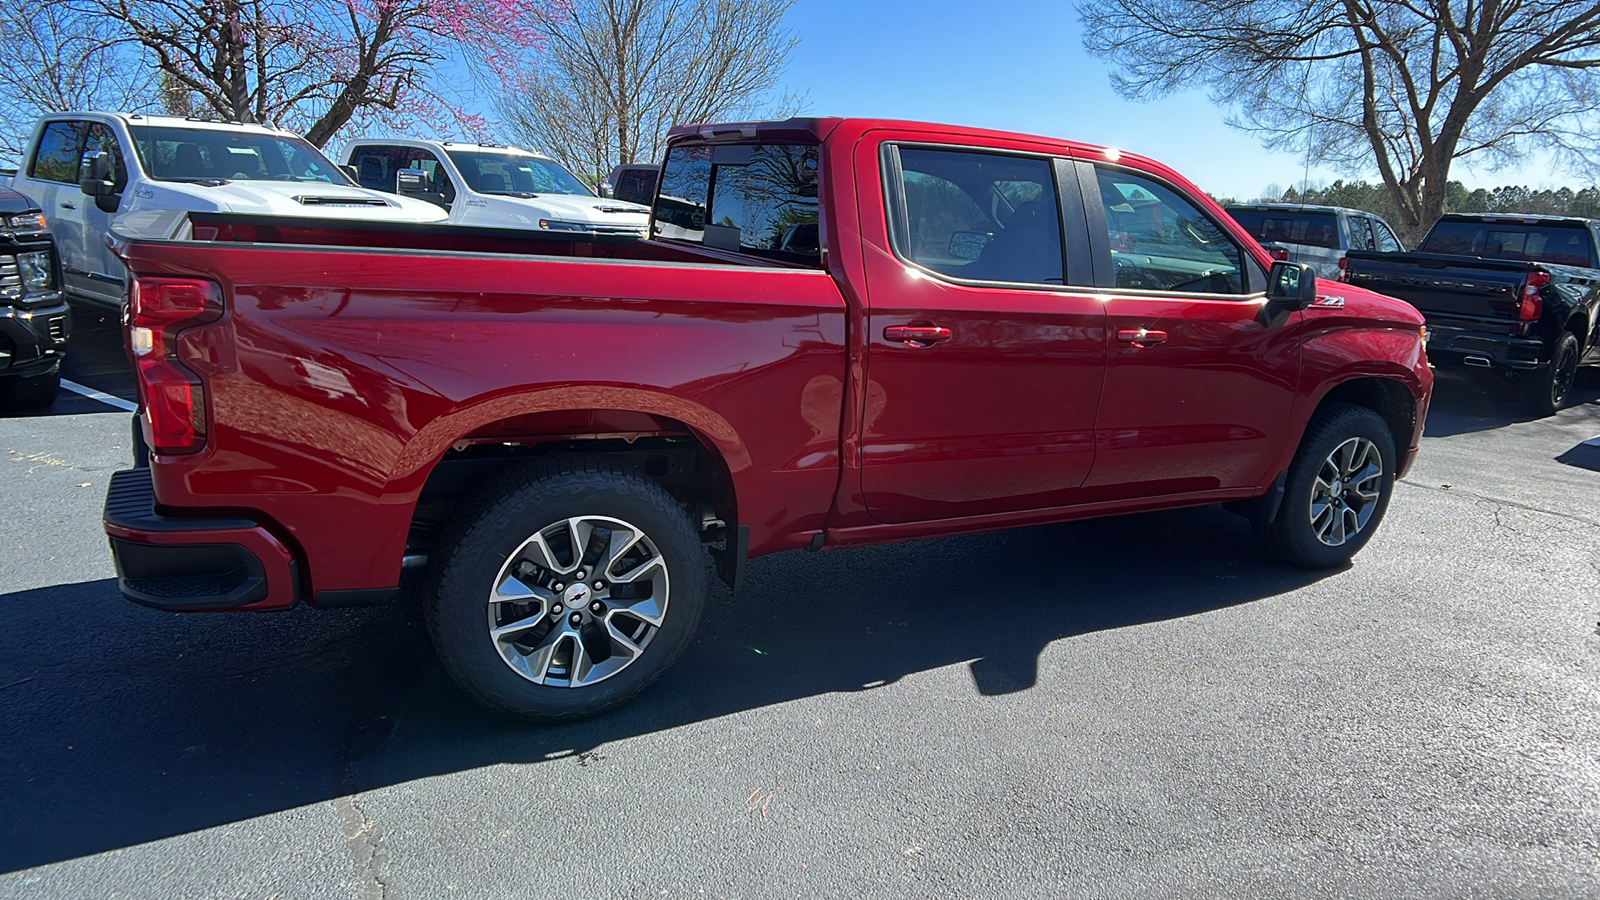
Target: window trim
<point>1105,273</point>
<point>899,216</point>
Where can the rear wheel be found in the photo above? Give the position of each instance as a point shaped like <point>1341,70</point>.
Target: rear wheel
<point>1337,490</point>
<point>1546,389</point>
<point>566,590</point>
<point>33,392</point>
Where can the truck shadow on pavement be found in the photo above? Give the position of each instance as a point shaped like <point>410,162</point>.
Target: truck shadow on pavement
<point>1463,405</point>
<point>125,725</point>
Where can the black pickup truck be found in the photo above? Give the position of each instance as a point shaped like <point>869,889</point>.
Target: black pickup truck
<point>1516,296</point>
<point>34,319</point>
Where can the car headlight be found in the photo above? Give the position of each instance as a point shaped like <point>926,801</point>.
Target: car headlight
<point>558,225</point>
<point>37,273</point>
<point>33,221</point>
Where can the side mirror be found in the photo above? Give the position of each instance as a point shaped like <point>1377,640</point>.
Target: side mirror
<point>416,183</point>
<point>1291,285</point>
<point>95,174</point>
<point>606,190</point>
<point>351,171</point>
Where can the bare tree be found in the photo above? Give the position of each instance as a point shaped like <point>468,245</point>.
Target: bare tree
<point>52,58</point>
<point>616,74</point>
<point>313,65</point>
<point>1405,87</point>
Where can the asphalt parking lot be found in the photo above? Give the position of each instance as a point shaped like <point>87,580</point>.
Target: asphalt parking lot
<point>1138,707</point>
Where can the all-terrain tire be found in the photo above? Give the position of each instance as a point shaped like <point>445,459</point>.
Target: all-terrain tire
<point>493,535</point>
<point>1545,390</point>
<point>1326,519</point>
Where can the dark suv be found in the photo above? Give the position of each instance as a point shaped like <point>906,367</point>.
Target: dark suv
<point>34,320</point>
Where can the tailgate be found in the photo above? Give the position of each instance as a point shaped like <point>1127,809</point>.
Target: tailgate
<point>1446,286</point>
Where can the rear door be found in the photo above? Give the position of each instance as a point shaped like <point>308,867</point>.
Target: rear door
<point>983,367</point>
<point>1198,384</point>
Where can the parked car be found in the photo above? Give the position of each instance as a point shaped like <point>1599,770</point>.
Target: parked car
<point>979,330</point>
<point>86,168</point>
<point>490,186</point>
<point>633,182</point>
<point>34,320</point>
<point>1317,235</point>
<point>1510,297</point>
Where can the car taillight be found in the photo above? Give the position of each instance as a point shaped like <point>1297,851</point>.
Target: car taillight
<point>1344,269</point>
<point>1279,253</point>
<point>173,397</point>
<point>1532,303</point>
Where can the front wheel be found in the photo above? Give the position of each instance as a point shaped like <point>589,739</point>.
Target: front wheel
<point>33,392</point>
<point>1546,389</point>
<point>1338,488</point>
<point>566,589</point>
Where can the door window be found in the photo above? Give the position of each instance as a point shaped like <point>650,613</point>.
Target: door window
<point>103,140</point>
<point>60,148</point>
<point>1361,233</point>
<point>1384,238</point>
<point>977,216</point>
<point>1160,241</point>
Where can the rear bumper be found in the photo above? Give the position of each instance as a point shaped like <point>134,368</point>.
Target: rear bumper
<point>191,565</point>
<point>1457,348</point>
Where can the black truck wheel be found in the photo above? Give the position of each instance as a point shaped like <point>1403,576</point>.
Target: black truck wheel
<point>1338,488</point>
<point>565,589</point>
<point>32,392</point>
<point>1544,391</point>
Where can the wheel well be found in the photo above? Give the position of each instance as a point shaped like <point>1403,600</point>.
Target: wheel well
<point>665,450</point>
<point>1579,329</point>
<point>1390,399</point>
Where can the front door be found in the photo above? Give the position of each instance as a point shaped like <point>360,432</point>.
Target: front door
<point>983,368</point>
<point>1198,382</point>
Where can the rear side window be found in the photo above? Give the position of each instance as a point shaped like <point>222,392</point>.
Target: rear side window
<point>977,216</point>
<point>60,148</point>
<point>759,199</point>
<point>1361,233</point>
<point>1313,229</point>
<point>1560,245</point>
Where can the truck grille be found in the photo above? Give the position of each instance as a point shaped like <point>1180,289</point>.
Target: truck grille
<point>10,279</point>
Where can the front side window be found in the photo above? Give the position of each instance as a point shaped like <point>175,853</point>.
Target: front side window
<point>213,154</point>
<point>505,173</point>
<point>759,199</point>
<point>60,148</point>
<point>101,139</point>
<point>977,216</point>
<point>1384,238</point>
<point>378,168</point>
<point>1160,241</point>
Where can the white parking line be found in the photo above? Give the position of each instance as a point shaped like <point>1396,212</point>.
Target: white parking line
<point>102,396</point>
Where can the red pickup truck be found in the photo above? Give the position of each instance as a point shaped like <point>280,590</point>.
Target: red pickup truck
<point>839,332</point>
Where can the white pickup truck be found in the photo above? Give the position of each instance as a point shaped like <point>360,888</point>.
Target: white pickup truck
<point>490,186</point>
<point>86,168</point>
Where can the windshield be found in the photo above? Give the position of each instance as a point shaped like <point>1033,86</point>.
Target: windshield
<point>1284,226</point>
<point>210,154</point>
<point>1556,243</point>
<point>524,176</point>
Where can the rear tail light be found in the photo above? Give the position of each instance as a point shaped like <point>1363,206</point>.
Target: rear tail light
<point>1532,302</point>
<point>173,396</point>
<point>1344,268</point>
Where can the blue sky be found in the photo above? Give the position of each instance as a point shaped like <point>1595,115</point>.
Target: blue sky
<point>1020,66</point>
